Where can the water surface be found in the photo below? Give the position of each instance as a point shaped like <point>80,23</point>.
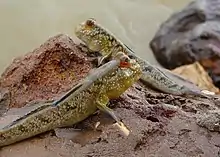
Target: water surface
<point>25,24</point>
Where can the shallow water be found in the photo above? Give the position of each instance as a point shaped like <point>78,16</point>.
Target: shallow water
<point>26,24</point>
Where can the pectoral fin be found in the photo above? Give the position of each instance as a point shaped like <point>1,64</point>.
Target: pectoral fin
<point>103,59</point>
<point>120,125</point>
<point>109,111</point>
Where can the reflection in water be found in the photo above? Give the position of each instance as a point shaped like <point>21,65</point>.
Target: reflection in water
<point>26,24</point>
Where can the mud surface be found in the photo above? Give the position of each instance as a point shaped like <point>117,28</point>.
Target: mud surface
<point>161,125</point>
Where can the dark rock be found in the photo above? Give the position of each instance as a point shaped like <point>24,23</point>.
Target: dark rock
<point>189,35</point>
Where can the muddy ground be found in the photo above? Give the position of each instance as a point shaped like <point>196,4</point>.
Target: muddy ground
<point>161,125</point>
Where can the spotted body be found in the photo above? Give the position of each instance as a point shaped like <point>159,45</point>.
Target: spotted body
<point>99,39</point>
<point>107,82</point>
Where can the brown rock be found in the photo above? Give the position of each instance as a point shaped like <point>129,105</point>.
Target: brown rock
<point>45,73</point>
<point>212,66</point>
<point>196,74</point>
<point>161,124</point>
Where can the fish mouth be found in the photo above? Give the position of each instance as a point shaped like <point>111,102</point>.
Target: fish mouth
<point>81,33</point>
<point>134,65</point>
<point>134,73</point>
<point>79,29</point>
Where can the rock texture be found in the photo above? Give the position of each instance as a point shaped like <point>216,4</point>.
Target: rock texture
<point>190,35</point>
<point>196,74</point>
<point>162,125</point>
<point>45,73</point>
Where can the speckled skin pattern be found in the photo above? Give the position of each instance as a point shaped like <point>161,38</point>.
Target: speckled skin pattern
<point>99,39</point>
<point>104,83</point>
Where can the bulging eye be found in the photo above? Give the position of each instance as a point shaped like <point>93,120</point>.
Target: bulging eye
<point>90,22</point>
<point>126,59</point>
